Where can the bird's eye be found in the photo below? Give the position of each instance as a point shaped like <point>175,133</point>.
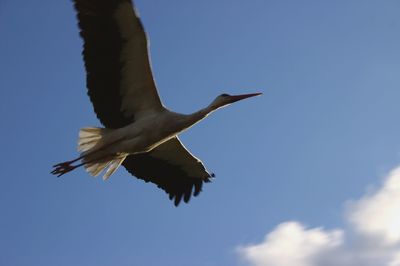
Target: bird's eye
<point>224,95</point>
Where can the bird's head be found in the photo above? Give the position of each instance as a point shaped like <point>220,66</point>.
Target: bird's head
<point>225,99</point>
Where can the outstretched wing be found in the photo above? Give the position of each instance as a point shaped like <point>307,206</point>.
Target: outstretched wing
<point>172,168</point>
<point>121,88</point>
<point>119,78</point>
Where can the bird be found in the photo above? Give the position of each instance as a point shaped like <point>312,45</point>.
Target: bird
<point>139,132</point>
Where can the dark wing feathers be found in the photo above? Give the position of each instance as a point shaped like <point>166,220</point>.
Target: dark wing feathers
<point>111,60</point>
<point>175,183</point>
<point>170,175</point>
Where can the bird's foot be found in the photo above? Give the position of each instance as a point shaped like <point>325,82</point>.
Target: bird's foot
<point>63,168</point>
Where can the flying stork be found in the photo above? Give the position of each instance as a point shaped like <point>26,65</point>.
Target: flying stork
<point>140,132</point>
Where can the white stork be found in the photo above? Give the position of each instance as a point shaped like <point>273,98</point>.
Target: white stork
<point>140,133</point>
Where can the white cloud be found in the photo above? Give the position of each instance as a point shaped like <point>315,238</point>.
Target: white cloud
<point>291,244</point>
<point>372,237</point>
<point>378,215</point>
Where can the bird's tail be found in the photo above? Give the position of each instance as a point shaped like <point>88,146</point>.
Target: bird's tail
<point>110,163</point>
<point>94,156</point>
<point>89,137</point>
<point>91,144</point>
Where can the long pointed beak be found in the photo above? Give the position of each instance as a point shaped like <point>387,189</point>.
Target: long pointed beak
<point>236,98</point>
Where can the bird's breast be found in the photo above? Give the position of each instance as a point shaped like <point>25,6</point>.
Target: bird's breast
<point>146,134</point>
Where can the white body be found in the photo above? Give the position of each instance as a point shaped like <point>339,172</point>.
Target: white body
<point>108,148</point>
<point>148,132</point>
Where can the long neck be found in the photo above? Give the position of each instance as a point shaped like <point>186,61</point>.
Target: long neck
<point>196,117</point>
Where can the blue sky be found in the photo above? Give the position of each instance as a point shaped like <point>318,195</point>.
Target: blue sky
<point>326,128</point>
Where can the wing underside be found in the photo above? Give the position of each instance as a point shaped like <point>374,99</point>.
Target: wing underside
<point>172,168</point>
<point>119,77</point>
